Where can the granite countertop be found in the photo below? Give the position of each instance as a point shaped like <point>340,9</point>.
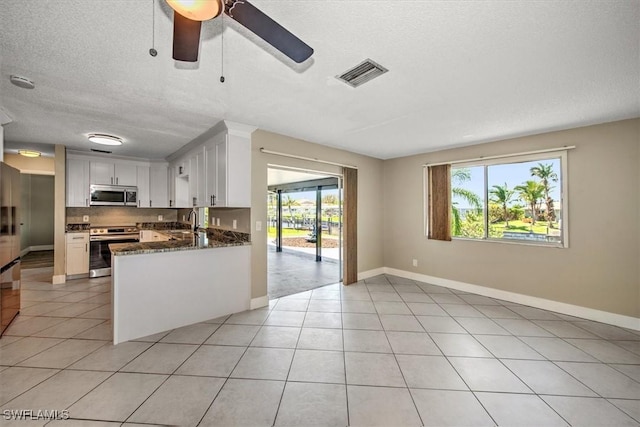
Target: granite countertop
<point>204,240</point>
<point>78,228</point>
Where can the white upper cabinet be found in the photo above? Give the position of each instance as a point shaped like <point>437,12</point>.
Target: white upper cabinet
<point>77,183</point>
<point>234,171</point>
<point>158,186</point>
<point>216,172</point>
<point>143,186</point>
<point>107,173</point>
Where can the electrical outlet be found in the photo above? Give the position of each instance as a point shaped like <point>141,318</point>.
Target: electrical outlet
<point>235,224</point>
<point>258,225</point>
<point>160,217</point>
<point>415,262</point>
<point>85,218</point>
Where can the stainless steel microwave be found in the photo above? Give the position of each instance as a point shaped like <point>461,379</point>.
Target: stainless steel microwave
<point>113,195</point>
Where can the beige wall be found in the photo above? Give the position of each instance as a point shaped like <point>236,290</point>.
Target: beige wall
<point>599,270</point>
<point>370,253</point>
<point>32,165</point>
<point>59,245</point>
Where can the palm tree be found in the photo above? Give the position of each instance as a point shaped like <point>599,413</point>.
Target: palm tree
<point>459,176</point>
<point>531,192</point>
<point>546,173</point>
<point>502,195</point>
<point>288,201</point>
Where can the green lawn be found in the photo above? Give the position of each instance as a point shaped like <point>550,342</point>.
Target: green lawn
<point>288,232</point>
<point>539,227</point>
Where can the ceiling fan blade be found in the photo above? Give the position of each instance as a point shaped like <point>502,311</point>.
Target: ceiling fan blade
<point>268,29</point>
<point>186,38</point>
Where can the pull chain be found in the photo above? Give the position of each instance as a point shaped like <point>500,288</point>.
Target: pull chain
<point>222,50</point>
<point>153,51</point>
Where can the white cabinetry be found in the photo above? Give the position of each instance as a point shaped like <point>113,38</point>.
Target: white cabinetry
<point>216,173</point>
<point>230,184</point>
<point>77,183</point>
<point>152,186</point>
<point>143,186</point>
<point>158,186</point>
<point>238,171</point>
<point>77,253</point>
<point>113,173</point>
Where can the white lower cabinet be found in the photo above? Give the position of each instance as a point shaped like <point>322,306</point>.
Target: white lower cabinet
<point>77,254</point>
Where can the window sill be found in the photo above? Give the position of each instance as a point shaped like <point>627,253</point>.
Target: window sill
<point>513,242</point>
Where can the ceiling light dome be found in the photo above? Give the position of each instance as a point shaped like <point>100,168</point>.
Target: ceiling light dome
<point>104,139</point>
<point>197,10</point>
<point>29,153</point>
<point>22,81</point>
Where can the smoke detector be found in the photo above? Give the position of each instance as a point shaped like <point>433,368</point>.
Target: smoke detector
<point>362,73</point>
<point>22,82</point>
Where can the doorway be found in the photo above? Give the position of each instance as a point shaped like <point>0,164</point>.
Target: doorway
<point>304,245</point>
<point>36,220</point>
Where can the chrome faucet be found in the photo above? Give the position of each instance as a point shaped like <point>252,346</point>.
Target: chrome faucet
<point>196,224</point>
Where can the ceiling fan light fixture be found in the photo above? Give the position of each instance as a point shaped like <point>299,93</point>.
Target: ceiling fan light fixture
<point>104,139</point>
<point>197,10</point>
<point>29,153</point>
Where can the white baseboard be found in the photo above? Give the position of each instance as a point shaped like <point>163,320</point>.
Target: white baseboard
<point>40,248</point>
<point>371,273</point>
<point>545,304</point>
<point>60,278</point>
<point>259,302</point>
<point>35,249</point>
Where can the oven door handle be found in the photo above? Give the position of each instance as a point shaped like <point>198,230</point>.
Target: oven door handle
<point>108,238</point>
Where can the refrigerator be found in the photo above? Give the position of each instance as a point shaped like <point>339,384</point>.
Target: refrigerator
<point>9,245</point>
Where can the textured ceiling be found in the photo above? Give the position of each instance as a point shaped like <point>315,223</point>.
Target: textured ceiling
<point>461,72</point>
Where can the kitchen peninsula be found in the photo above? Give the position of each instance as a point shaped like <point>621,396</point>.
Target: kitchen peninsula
<point>162,285</point>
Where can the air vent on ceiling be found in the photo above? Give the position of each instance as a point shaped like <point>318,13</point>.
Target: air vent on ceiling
<point>101,151</point>
<point>362,73</point>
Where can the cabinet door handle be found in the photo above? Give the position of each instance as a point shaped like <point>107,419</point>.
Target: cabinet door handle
<point>138,203</point>
<point>77,238</point>
<point>195,201</point>
<point>86,201</point>
<point>116,180</point>
<point>170,203</point>
<point>111,180</point>
<point>86,247</point>
<point>150,203</point>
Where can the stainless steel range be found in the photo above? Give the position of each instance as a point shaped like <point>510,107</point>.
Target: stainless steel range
<point>100,238</point>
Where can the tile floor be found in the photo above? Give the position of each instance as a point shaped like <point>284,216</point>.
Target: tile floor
<point>385,351</point>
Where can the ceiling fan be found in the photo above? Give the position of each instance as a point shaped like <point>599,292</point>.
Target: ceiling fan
<point>189,14</point>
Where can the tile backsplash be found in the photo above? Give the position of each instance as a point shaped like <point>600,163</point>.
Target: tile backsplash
<point>112,215</point>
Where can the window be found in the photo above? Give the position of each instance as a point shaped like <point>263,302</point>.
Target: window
<point>514,199</point>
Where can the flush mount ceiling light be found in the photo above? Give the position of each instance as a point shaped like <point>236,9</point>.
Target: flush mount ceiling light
<point>29,153</point>
<point>22,82</point>
<point>104,139</point>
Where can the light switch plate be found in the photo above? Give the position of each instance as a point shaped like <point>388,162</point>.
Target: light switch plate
<point>258,225</point>
<point>85,218</point>
<point>235,224</point>
<point>160,217</point>
<point>218,222</point>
